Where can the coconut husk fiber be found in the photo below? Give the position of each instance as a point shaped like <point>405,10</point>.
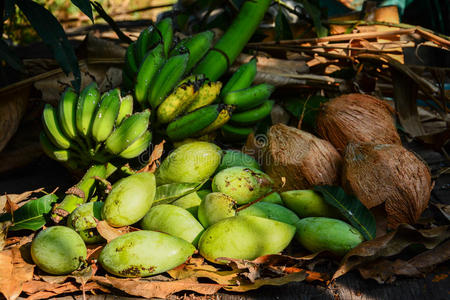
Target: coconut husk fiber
<point>357,118</point>
<point>388,174</point>
<point>296,159</point>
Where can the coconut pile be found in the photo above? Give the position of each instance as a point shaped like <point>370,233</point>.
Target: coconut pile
<point>358,148</point>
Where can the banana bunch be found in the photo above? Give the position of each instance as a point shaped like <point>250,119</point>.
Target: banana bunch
<point>251,103</point>
<point>94,128</point>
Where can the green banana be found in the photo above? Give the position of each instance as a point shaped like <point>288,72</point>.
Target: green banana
<point>87,105</point>
<point>165,27</point>
<point>167,78</point>
<point>236,134</point>
<point>241,79</point>
<point>250,97</point>
<point>197,45</point>
<point>131,65</point>
<point>106,115</point>
<point>129,131</point>
<point>142,44</point>
<point>193,122</point>
<point>51,150</point>
<point>53,129</point>
<point>147,71</point>
<point>66,113</point>
<point>206,95</point>
<point>125,110</point>
<point>223,117</point>
<point>176,102</point>
<point>254,115</point>
<point>138,146</point>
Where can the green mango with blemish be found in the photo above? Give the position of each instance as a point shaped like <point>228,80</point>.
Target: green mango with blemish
<point>270,211</point>
<point>308,203</point>
<point>173,220</point>
<point>215,207</point>
<point>243,184</point>
<point>325,234</point>
<point>244,237</point>
<point>129,200</point>
<point>189,163</point>
<point>144,253</point>
<point>235,158</point>
<point>84,221</point>
<point>58,250</point>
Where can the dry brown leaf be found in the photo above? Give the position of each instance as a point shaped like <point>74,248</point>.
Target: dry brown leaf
<point>16,198</point>
<point>152,162</point>
<point>109,233</point>
<point>14,273</point>
<point>148,288</point>
<point>293,277</point>
<point>13,103</point>
<point>42,290</point>
<point>391,244</point>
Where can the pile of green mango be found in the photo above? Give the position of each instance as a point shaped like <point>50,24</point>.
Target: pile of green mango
<point>231,213</point>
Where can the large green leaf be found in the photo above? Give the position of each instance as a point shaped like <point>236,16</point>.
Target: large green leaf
<point>351,208</point>
<point>168,193</point>
<point>52,33</point>
<point>85,7</point>
<point>309,107</point>
<point>282,28</point>
<point>32,215</point>
<point>10,57</point>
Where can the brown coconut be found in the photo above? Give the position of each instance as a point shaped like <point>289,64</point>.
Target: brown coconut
<point>387,174</point>
<point>357,118</point>
<point>302,159</point>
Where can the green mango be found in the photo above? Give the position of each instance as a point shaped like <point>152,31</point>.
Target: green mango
<point>144,253</point>
<point>84,221</point>
<point>308,203</point>
<point>325,234</point>
<point>190,202</point>
<point>274,198</point>
<point>215,207</point>
<point>58,250</point>
<point>129,200</point>
<point>203,193</point>
<point>242,184</point>
<point>244,237</point>
<point>270,211</point>
<point>235,158</point>
<point>173,220</point>
<point>189,163</point>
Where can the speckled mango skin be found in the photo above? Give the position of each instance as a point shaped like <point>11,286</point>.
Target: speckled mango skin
<point>173,220</point>
<point>244,237</point>
<point>234,158</point>
<point>129,200</point>
<point>325,234</point>
<point>270,211</point>
<point>83,221</point>
<point>144,253</point>
<point>215,207</point>
<point>242,184</point>
<point>192,162</point>
<point>308,203</point>
<point>58,250</point>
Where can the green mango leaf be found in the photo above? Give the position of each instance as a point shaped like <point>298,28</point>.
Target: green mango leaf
<point>282,28</point>
<point>85,7</point>
<point>309,107</point>
<point>351,208</point>
<point>167,193</point>
<point>10,57</point>
<point>31,215</point>
<point>315,14</point>
<point>52,33</point>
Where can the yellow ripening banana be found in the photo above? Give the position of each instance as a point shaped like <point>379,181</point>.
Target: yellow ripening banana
<point>106,115</point>
<point>223,117</point>
<point>176,103</point>
<point>87,105</point>
<point>125,110</point>
<point>128,131</point>
<point>206,95</point>
<point>138,146</point>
